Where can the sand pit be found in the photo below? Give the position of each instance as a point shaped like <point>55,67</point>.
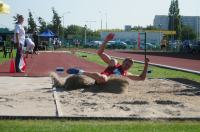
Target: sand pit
<point>23,96</point>
<point>150,98</point>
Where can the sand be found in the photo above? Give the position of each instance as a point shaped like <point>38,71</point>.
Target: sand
<point>23,96</point>
<point>150,98</point>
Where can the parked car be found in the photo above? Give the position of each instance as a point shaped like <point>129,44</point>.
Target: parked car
<point>176,43</point>
<point>185,46</point>
<point>93,44</point>
<point>148,46</point>
<point>130,46</point>
<point>117,45</point>
<point>195,47</point>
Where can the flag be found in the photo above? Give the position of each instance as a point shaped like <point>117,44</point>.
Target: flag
<point>22,64</point>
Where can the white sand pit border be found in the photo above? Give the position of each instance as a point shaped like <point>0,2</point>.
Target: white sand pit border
<point>59,112</point>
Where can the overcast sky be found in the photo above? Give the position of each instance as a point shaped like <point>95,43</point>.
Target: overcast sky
<point>91,12</point>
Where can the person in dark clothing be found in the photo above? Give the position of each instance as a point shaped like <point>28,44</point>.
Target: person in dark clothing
<point>36,41</point>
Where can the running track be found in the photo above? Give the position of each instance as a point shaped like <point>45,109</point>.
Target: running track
<point>46,62</point>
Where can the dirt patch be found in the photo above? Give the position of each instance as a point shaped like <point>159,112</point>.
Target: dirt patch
<point>137,102</point>
<point>167,102</point>
<point>117,85</point>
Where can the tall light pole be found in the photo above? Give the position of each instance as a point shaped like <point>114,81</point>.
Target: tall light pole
<point>197,28</point>
<point>90,22</point>
<point>101,19</point>
<point>63,16</point>
<point>85,34</point>
<point>106,22</point>
<point>106,19</point>
<point>173,28</point>
<point>160,32</point>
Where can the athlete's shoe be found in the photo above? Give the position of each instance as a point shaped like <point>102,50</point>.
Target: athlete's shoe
<point>75,71</point>
<point>60,70</point>
<point>149,71</point>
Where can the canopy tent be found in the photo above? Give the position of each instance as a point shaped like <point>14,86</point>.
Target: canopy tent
<point>4,8</point>
<point>48,33</point>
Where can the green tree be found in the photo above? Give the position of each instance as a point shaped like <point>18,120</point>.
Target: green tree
<point>175,19</point>
<point>56,22</point>
<point>4,30</point>
<point>76,31</point>
<point>31,23</point>
<point>150,27</point>
<point>43,24</point>
<point>187,33</point>
<point>137,28</point>
<point>93,35</point>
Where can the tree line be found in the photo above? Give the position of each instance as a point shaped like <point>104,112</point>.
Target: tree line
<point>55,25</point>
<point>183,32</point>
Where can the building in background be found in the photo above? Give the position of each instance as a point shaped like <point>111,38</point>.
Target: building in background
<point>162,21</point>
<point>127,27</point>
<point>151,37</point>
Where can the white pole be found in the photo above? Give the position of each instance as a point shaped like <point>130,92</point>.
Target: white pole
<point>63,21</point>
<point>90,23</point>
<point>101,19</point>
<point>197,27</point>
<point>63,28</point>
<point>106,22</point>
<point>101,23</point>
<point>160,33</point>
<point>68,12</point>
<point>85,34</point>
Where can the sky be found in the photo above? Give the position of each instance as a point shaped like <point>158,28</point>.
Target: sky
<point>116,13</point>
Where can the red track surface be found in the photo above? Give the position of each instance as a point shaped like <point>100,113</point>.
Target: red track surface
<point>170,61</point>
<point>44,63</point>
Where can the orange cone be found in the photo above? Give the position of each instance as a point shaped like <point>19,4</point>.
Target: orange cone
<point>12,66</point>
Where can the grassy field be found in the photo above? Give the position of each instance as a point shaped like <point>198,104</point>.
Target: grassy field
<point>97,126</point>
<point>156,72</point>
<point>2,59</point>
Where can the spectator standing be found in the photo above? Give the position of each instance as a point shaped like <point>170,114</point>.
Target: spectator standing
<point>19,40</point>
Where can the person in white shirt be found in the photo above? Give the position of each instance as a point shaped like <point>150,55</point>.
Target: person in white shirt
<point>19,40</point>
<point>29,46</point>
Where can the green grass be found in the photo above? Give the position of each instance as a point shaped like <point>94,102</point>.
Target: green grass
<point>157,72</point>
<point>2,59</point>
<point>96,126</point>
